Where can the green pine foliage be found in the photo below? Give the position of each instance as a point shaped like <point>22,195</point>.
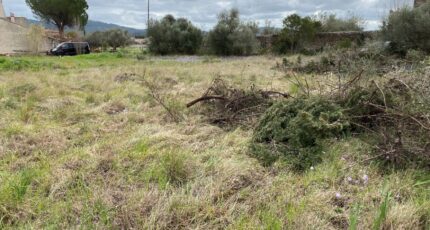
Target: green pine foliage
<point>293,131</point>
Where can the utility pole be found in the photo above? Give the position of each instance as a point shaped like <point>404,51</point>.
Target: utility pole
<point>148,16</point>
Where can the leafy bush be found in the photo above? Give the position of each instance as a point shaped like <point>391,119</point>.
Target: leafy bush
<point>97,39</point>
<point>118,38</point>
<point>293,131</point>
<point>408,29</point>
<point>233,37</point>
<point>296,33</point>
<point>174,36</point>
<point>415,56</point>
<point>72,35</point>
<point>345,44</point>
<point>331,23</point>
<point>112,38</point>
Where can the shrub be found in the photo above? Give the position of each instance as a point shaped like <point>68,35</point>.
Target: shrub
<point>415,56</point>
<point>408,29</point>
<point>72,35</point>
<point>117,38</point>
<point>97,39</point>
<point>233,37</point>
<point>296,33</point>
<point>293,131</point>
<point>169,168</point>
<point>112,38</point>
<point>174,36</point>
<point>330,23</point>
<point>345,44</point>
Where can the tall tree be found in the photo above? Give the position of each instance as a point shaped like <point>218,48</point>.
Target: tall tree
<point>296,32</point>
<point>231,36</point>
<point>60,12</point>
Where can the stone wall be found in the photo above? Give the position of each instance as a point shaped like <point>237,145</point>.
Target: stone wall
<point>335,38</point>
<point>324,39</point>
<point>14,39</point>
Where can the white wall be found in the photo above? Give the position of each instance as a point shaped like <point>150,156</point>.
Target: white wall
<point>14,39</point>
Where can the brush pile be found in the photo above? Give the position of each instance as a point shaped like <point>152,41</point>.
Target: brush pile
<point>393,113</point>
<point>347,62</point>
<point>397,114</point>
<point>227,106</point>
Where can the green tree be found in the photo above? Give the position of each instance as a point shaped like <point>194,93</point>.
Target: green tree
<point>407,29</point>
<point>97,39</point>
<point>174,36</point>
<point>331,23</point>
<point>296,32</point>
<point>61,13</point>
<point>233,37</point>
<point>112,38</point>
<point>117,38</point>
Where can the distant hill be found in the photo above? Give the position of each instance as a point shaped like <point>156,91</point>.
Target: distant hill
<point>93,26</point>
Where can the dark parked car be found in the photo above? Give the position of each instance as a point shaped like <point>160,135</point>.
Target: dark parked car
<point>70,49</point>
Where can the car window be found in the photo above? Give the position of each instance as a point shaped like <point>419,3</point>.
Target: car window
<point>67,46</point>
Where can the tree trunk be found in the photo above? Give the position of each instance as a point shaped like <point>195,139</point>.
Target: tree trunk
<point>60,27</point>
<point>61,30</point>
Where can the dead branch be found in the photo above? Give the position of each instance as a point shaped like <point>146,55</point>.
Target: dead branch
<point>383,94</point>
<point>205,98</point>
<point>269,93</point>
<point>353,80</point>
<point>154,94</point>
<point>230,106</point>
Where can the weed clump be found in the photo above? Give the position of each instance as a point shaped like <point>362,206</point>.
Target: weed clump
<point>115,108</point>
<point>22,90</point>
<point>20,64</point>
<point>344,63</point>
<point>293,131</point>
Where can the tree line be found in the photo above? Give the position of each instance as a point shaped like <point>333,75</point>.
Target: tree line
<point>404,29</point>
<point>233,36</point>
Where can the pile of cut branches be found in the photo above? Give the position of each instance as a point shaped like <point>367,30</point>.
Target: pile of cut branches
<point>227,106</point>
<point>397,114</point>
<point>346,63</point>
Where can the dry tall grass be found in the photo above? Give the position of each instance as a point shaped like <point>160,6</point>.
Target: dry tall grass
<point>81,149</point>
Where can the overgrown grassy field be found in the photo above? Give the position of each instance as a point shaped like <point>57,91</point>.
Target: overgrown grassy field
<point>83,145</point>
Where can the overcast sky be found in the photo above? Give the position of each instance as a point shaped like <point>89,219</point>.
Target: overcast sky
<point>203,13</point>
